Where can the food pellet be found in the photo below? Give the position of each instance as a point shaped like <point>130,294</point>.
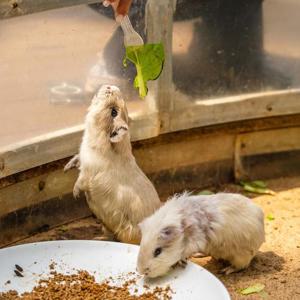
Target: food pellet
<point>83,286</point>
<point>19,274</point>
<point>20,269</point>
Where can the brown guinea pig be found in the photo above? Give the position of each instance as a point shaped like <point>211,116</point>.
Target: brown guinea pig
<point>117,190</point>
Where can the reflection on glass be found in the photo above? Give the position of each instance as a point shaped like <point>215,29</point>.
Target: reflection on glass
<point>229,47</point>
<point>52,62</point>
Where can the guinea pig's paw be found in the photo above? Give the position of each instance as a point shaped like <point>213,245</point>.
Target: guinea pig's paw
<point>228,270</point>
<point>76,192</point>
<point>73,163</point>
<point>181,263</point>
<point>106,235</point>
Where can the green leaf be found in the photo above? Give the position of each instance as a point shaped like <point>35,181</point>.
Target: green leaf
<point>270,217</point>
<point>148,60</point>
<point>258,187</point>
<point>62,228</point>
<point>205,192</point>
<point>256,288</point>
<point>125,62</point>
<point>259,183</point>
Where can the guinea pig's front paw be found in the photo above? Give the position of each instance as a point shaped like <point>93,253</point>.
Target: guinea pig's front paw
<point>181,263</point>
<point>73,163</point>
<point>228,270</point>
<point>76,192</point>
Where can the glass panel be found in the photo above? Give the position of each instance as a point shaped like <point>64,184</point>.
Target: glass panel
<point>230,47</point>
<point>52,62</point>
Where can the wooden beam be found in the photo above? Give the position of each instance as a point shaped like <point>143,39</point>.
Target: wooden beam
<point>14,8</point>
<point>170,161</point>
<point>36,190</point>
<point>269,141</point>
<point>192,114</point>
<point>62,143</point>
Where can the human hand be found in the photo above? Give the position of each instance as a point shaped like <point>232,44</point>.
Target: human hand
<point>120,7</point>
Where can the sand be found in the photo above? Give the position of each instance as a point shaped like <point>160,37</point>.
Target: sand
<point>277,265</point>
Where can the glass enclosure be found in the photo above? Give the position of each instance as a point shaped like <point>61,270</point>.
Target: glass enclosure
<point>231,47</point>
<point>52,62</point>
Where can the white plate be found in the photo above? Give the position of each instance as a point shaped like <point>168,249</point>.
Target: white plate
<point>104,258</point>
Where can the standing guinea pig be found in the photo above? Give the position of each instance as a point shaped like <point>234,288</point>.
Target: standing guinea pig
<point>225,226</point>
<point>117,190</point>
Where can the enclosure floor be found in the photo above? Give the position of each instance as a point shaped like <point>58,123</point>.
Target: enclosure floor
<point>277,265</point>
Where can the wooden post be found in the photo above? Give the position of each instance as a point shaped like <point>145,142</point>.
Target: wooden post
<point>159,27</point>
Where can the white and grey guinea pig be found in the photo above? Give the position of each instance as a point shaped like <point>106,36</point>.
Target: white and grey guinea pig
<point>225,226</point>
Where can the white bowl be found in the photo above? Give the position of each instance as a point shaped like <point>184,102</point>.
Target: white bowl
<point>105,259</point>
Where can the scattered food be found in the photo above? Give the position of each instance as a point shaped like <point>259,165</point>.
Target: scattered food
<point>256,288</point>
<point>257,187</point>
<point>83,286</point>
<point>20,269</point>
<point>18,273</point>
<point>52,266</point>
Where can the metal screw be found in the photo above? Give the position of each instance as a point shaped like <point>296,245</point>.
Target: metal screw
<point>269,108</point>
<point>42,185</point>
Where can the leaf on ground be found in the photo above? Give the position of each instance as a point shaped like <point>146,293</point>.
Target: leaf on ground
<point>259,183</point>
<point>205,192</point>
<point>270,217</point>
<point>257,187</point>
<point>62,228</point>
<point>148,60</point>
<point>256,288</point>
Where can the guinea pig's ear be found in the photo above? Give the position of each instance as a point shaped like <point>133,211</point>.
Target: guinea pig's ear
<point>169,233</point>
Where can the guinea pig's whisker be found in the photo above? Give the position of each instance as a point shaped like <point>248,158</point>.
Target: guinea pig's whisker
<point>114,133</point>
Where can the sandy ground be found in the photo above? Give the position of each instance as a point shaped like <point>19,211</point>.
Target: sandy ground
<point>277,265</point>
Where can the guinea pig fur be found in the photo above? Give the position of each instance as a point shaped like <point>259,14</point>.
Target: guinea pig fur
<point>117,190</point>
<point>225,226</point>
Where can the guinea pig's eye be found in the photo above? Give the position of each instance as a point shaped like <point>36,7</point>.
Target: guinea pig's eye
<point>157,251</point>
<point>114,112</point>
